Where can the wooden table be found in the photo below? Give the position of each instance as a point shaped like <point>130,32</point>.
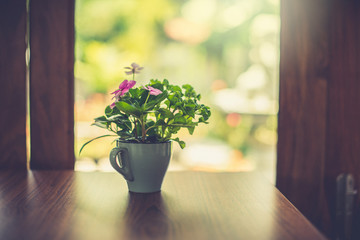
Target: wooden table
<point>192,205</point>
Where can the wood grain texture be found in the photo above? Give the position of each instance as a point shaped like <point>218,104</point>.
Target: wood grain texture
<point>303,106</point>
<point>343,128</point>
<point>52,84</point>
<point>319,131</point>
<point>192,205</point>
<point>13,84</point>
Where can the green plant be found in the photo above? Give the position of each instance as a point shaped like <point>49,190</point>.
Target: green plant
<point>152,113</point>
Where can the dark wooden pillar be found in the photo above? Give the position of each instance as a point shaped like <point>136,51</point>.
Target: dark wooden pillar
<point>52,84</point>
<point>13,84</point>
<point>319,115</point>
<point>343,102</point>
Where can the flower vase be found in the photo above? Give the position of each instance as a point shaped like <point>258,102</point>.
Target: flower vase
<point>143,165</point>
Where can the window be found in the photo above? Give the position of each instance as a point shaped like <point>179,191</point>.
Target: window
<point>227,50</point>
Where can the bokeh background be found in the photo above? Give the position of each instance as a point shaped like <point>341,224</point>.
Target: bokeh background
<point>227,49</point>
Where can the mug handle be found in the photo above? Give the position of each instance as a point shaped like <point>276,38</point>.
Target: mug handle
<point>123,165</point>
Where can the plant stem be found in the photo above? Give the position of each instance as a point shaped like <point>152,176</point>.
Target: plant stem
<point>147,99</point>
<point>146,130</point>
<point>143,128</point>
<point>136,136</point>
<point>143,120</point>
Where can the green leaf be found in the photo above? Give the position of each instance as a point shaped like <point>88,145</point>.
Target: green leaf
<point>100,125</point>
<point>135,92</point>
<point>124,125</point>
<point>155,100</point>
<point>167,103</point>
<point>149,123</point>
<point>181,143</point>
<point>129,109</point>
<point>143,96</point>
<point>176,89</point>
<point>165,82</point>
<point>187,87</point>
<point>160,122</point>
<point>95,139</point>
<point>156,84</point>
<point>190,105</point>
<point>173,100</point>
<point>180,119</point>
<point>117,118</point>
<point>191,130</point>
<point>165,113</point>
<point>101,119</point>
<point>124,134</point>
<point>109,112</point>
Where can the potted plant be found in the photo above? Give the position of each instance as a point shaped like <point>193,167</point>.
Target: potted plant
<point>145,120</point>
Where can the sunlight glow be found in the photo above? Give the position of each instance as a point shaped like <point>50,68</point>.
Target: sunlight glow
<point>199,11</point>
<point>236,14</point>
<point>253,78</point>
<point>265,24</point>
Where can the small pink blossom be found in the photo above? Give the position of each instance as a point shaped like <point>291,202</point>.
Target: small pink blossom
<point>123,88</point>
<point>153,91</point>
<point>113,105</point>
<point>135,68</point>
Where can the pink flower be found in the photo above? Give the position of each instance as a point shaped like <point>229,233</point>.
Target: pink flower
<point>123,88</point>
<point>135,68</point>
<point>113,105</point>
<point>153,91</point>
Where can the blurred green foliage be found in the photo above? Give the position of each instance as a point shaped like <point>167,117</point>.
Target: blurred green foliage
<point>112,33</point>
<point>210,44</point>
